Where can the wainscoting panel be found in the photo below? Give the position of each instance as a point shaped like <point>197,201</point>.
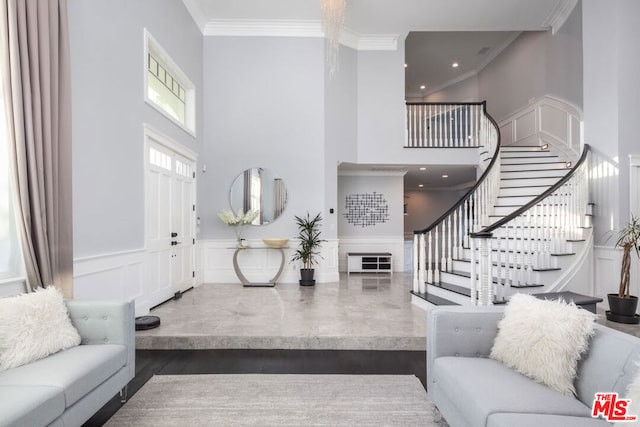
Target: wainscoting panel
<point>545,120</point>
<point>383,244</point>
<point>607,272</point>
<point>261,264</point>
<point>506,133</point>
<point>113,276</point>
<point>525,125</point>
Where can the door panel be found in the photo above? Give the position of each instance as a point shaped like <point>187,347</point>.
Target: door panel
<point>170,222</point>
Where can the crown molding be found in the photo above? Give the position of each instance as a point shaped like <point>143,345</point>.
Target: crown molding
<point>262,28</point>
<point>559,15</point>
<point>194,7</point>
<point>288,28</point>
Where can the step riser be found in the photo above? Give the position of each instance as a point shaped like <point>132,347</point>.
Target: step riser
<point>506,148</point>
<point>539,158</point>
<point>553,173</point>
<point>523,191</point>
<point>526,166</point>
<point>513,200</point>
<point>511,183</point>
<point>451,296</point>
<point>519,154</point>
<point>512,277</point>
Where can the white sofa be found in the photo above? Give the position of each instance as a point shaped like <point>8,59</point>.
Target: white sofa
<point>68,387</point>
<point>472,390</point>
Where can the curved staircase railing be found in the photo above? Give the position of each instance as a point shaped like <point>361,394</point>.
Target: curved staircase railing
<point>507,252</point>
<point>435,247</point>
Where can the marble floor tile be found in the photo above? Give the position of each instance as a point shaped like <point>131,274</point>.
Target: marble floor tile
<point>360,312</point>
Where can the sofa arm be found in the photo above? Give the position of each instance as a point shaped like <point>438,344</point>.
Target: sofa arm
<point>467,331</point>
<point>105,322</point>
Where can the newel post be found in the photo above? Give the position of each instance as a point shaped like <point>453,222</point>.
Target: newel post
<point>482,274</point>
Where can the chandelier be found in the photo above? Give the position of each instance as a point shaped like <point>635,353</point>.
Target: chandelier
<point>332,23</point>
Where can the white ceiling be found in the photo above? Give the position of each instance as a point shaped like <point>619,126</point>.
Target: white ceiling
<point>448,30</point>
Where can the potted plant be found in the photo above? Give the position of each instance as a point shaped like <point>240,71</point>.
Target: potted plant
<point>308,249</point>
<point>623,305</point>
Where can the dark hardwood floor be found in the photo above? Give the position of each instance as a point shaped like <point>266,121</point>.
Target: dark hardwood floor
<point>182,362</point>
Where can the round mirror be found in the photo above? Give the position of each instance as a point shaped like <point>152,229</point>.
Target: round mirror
<point>261,190</point>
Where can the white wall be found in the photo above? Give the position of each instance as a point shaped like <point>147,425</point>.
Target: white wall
<point>464,91</point>
<point>341,129</point>
<point>424,207</point>
<point>107,71</point>
<point>264,107</point>
<point>381,237</point>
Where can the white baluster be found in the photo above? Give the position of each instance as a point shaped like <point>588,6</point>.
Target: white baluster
<point>436,258</point>
<point>430,262</point>
<point>417,256</point>
<point>424,258</point>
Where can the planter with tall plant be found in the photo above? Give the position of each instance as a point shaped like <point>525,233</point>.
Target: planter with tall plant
<point>308,250</point>
<point>623,305</point>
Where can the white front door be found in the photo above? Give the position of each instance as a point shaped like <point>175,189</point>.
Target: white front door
<point>170,221</point>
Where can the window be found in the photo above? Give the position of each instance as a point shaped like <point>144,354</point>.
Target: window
<point>10,251</point>
<point>167,88</point>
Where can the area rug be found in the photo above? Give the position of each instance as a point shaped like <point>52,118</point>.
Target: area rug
<point>279,400</point>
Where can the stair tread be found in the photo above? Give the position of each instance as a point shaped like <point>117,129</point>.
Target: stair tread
<point>534,285</point>
<point>433,299</point>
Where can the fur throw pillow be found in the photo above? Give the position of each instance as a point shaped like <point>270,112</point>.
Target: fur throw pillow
<point>33,326</point>
<point>543,340</point>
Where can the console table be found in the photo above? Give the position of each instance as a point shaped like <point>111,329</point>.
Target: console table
<point>369,262</point>
<point>243,279</point>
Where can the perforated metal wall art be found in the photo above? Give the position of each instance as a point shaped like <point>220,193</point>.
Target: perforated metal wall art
<point>366,209</point>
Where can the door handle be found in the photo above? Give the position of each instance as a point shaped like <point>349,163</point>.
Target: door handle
<point>173,243</point>
<point>174,234</point>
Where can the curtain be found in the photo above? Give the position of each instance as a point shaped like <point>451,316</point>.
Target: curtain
<point>34,44</point>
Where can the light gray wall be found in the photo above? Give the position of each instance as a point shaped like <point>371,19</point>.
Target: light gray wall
<point>341,131</point>
<point>264,107</point>
<point>381,110</point>
<point>464,91</point>
<point>107,71</point>
<point>611,94</point>
<point>535,64</point>
<point>390,187</point>
<point>564,60</point>
<point>515,76</point>
<point>424,207</point>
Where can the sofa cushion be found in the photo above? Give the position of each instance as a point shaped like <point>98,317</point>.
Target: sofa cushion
<point>77,370</point>
<point>482,386</point>
<point>609,365</point>
<point>506,419</point>
<point>543,340</point>
<point>30,405</point>
<point>34,325</point>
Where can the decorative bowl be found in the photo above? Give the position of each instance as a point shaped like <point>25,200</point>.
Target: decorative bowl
<point>276,243</point>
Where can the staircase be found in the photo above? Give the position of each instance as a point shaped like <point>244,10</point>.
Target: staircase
<point>524,227</point>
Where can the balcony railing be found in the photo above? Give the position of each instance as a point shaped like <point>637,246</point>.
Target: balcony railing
<point>444,125</point>
<point>436,246</point>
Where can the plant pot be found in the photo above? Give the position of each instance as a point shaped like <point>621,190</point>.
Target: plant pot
<point>306,277</point>
<point>625,307</point>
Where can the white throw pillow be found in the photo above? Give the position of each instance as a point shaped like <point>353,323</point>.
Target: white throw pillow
<point>633,393</point>
<point>33,326</point>
<point>543,340</point>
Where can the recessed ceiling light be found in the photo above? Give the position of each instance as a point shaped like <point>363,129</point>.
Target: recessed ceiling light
<point>423,168</point>
<point>405,65</point>
<point>423,87</point>
<point>455,65</point>
<point>420,185</point>
<point>445,176</point>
